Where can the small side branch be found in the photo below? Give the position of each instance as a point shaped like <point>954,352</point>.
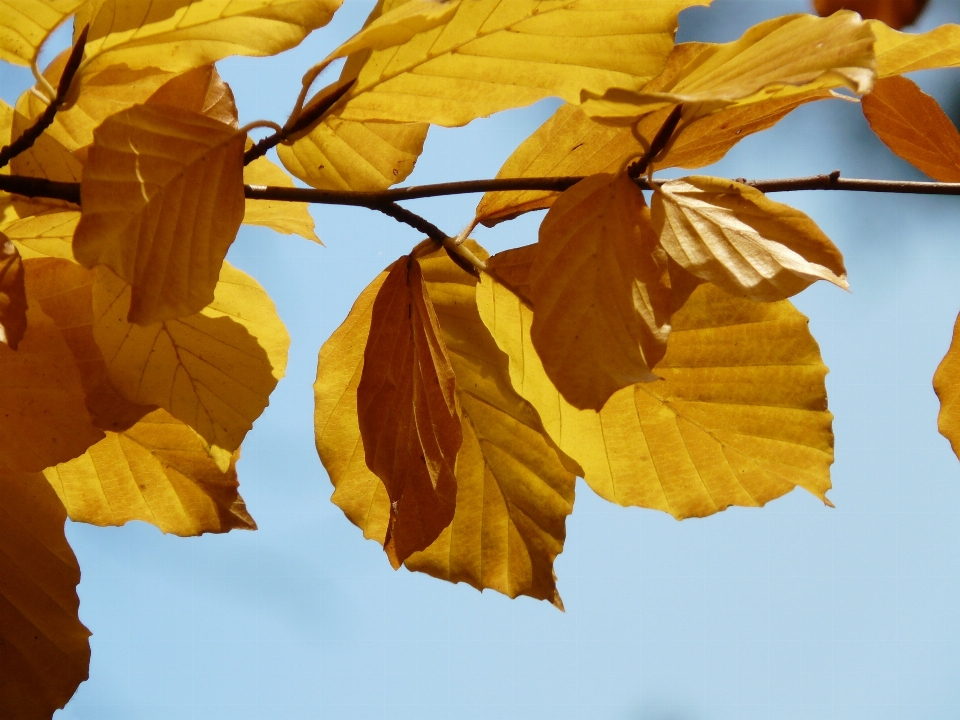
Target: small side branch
<point>30,135</point>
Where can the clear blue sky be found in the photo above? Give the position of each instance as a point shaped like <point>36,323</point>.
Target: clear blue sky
<point>791,611</point>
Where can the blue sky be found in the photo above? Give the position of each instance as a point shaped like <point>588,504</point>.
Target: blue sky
<point>790,611</point>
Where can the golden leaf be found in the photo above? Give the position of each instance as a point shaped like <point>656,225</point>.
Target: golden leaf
<point>408,414</point>
<point>213,370</point>
<point>946,383</point>
<point>483,56</point>
<point>739,417</point>
<point>202,91</point>
<point>598,284</point>
<point>177,35</point>
<point>44,420</point>
<point>513,491</point>
<point>735,237</point>
<point>157,471</point>
<point>163,199</point>
<point>44,236</point>
<point>895,13</point>
<point>899,52</point>
<point>914,126</point>
<point>13,295</point>
<point>778,57</point>
<point>284,217</point>
<point>27,23</point>
<point>44,648</point>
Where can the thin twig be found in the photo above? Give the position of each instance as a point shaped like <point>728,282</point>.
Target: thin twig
<point>658,143</point>
<point>30,135</point>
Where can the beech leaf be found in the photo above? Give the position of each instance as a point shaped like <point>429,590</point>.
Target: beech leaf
<point>946,383</point>
<point>44,236</point>
<point>734,236</point>
<point>599,288</point>
<point>163,199</point>
<point>408,413</point>
<point>899,52</point>
<point>914,126</point>
<point>738,418</point>
<point>13,295</point>
<point>44,648</point>
<point>284,217</point>
<point>895,13</point>
<point>157,471</point>
<point>27,23</point>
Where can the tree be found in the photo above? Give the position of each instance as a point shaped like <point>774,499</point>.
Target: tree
<point>145,359</point>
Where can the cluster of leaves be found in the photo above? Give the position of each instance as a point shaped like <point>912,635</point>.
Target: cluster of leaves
<point>648,348</point>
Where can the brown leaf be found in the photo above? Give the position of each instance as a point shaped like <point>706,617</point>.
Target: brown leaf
<point>408,410</point>
<point>946,383</point>
<point>202,91</point>
<point>895,13</point>
<point>600,292</point>
<point>914,126</point>
<point>44,648</point>
<point>13,295</point>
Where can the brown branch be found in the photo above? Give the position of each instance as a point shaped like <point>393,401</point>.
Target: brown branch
<point>658,143</point>
<point>30,135</point>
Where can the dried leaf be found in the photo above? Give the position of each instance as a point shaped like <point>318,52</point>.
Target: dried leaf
<point>44,648</point>
<point>162,202</point>
<point>213,370</point>
<point>946,383</point>
<point>408,413</point>
<point>778,57</point>
<point>598,284</point>
<point>27,23</point>
<point>157,471</point>
<point>13,295</point>
<point>734,236</point>
<point>899,52</point>
<point>284,217</point>
<point>895,13</point>
<point>739,417</point>
<point>914,126</point>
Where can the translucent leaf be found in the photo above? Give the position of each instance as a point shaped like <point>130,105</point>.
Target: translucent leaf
<point>44,236</point>
<point>44,648</point>
<point>284,217</point>
<point>27,23</point>
<point>899,52</point>
<point>13,295</point>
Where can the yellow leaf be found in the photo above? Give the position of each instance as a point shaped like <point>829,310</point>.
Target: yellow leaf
<point>735,237</point>
<point>44,236</point>
<point>513,491</point>
<point>46,158</point>
<point>13,296</point>
<point>27,23</point>
<point>599,287</point>
<point>200,90</point>
<point>946,383</point>
<point>162,199</point>
<point>44,648</point>
<point>895,13</point>
<point>899,52</point>
<point>157,471</point>
<point>177,35</point>
<point>491,55</point>
<point>284,217</point>
<point>739,417</point>
<point>914,126</point>
<point>44,420</point>
<point>408,414</point>
<point>782,56</point>
<point>213,370</point>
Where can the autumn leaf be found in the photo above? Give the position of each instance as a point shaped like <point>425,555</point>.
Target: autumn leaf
<point>899,52</point>
<point>284,217</point>
<point>946,383</point>
<point>157,471</point>
<point>738,418</point>
<point>781,56</point>
<point>597,282</point>
<point>27,23</point>
<point>479,57</point>
<point>895,13</point>
<point>162,199</point>
<point>408,413</point>
<point>734,236</point>
<point>914,126</point>
<point>46,158</point>
<point>513,490</point>
<point>44,648</point>
<point>13,295</point>
<point>213,370</point>
<point>44,236</point>
<point>44,419</point>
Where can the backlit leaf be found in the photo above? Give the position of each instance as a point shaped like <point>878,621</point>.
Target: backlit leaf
<point>899,52</point>
<point>163,199</point>
<point>914,126</point>
<point>44,236</point>
<point>44,648</point>
<point>597,282</point>
<point>895,13</point>
<point>734,236</point>
<point>946,383</point>
<point>44,420</point>
<point>157,471</point>
<point>407,405</point>
<point>213,370</point>
<point>284,217</point>
<point>13,296</point>
<point>781,56</point>
<point>738,418</point>
<point>27,23</point>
